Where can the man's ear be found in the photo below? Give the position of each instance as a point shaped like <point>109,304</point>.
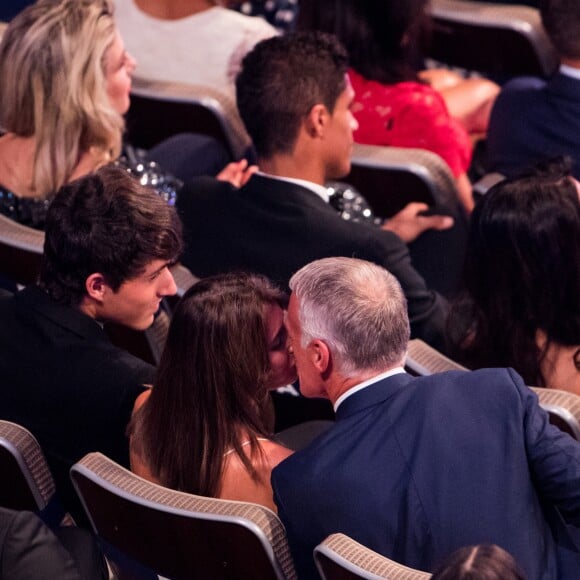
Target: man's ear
<point>96,286</point>
<point>320,355</point>
<point>316,120</point>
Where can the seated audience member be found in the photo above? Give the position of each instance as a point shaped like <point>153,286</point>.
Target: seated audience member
<point>29,550</point>
<point>193,41</point>
<point>483,562</point>
<point>108,244</point>
<point>279,13</point>
<point>294,98</point>
<point>394,104</point>
<point>66,79</point>
<point>521,302</point>
<point>534,119</point>
<point>415,467</point>
<point>226,347</point>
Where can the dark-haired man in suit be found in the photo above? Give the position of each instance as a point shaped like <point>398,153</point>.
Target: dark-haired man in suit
<point>108,244</point>
<point>294,97</point>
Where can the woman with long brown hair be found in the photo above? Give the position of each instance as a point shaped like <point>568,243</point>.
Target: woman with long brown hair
<point>203,429</point>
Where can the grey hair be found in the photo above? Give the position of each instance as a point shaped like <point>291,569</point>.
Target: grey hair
<point>357,308</point>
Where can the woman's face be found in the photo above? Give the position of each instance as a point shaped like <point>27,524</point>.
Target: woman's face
<point>119,66</point>
<point>282,368</point>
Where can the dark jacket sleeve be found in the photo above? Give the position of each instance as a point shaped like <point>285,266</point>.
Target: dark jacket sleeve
<point>427,310</point>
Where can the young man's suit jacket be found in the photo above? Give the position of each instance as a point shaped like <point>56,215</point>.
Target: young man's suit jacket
<point>62,379</point>
<point>274,228</point>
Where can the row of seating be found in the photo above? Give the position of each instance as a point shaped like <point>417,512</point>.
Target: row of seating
<point>147,530</point>
<point>144,526</point>
<point>497,40</point>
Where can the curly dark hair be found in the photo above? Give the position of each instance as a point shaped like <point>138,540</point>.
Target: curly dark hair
<point>105,222</point>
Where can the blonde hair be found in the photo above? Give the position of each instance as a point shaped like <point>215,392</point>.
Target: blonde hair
<point>52,73</point>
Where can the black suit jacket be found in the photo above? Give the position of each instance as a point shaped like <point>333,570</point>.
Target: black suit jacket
<point>62,379</point>
<point>275,227</point>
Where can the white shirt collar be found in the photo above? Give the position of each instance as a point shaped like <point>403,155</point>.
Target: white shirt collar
<point>367,383</point>
<point>570,71</point>
<point>319,190</point>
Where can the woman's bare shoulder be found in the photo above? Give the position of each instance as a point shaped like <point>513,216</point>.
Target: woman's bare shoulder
<point>274,452</point>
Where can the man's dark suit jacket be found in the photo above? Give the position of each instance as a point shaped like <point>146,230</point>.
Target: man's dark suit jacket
<point>533,120</point>
<point>63,380</point>
<point>415,468</point>
<point>274,228</point>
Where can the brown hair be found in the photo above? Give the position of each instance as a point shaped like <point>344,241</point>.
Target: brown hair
<point>105,222</point>
<point>483,562</point>
<point>210,385</point>
<point>521,274</point>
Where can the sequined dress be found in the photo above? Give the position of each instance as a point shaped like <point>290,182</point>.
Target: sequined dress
<point>32,211</point>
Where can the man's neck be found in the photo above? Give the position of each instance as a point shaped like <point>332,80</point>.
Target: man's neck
<point>293,166</point>
<point>88,307</point>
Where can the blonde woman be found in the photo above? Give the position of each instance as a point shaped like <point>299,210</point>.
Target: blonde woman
<point>65,87</point>
<point>66,78</point>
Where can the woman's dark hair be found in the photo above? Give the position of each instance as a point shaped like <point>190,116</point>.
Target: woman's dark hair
<point>483,562</point>
<point>382,37</point>
<point>522,274</point>
<point>211,384</point>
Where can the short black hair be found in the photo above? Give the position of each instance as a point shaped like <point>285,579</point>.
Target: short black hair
<point>105,222</point>
<point>281,79</point>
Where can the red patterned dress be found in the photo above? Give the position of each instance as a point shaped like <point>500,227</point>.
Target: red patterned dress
<point>409,114</point>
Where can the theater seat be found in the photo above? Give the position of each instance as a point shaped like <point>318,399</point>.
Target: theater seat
<point>339,557</point>
<point>562,406</point>
<point>147,528</point>
<point>495,39</point>
<point>162,109</point>
<point>27,482</point>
